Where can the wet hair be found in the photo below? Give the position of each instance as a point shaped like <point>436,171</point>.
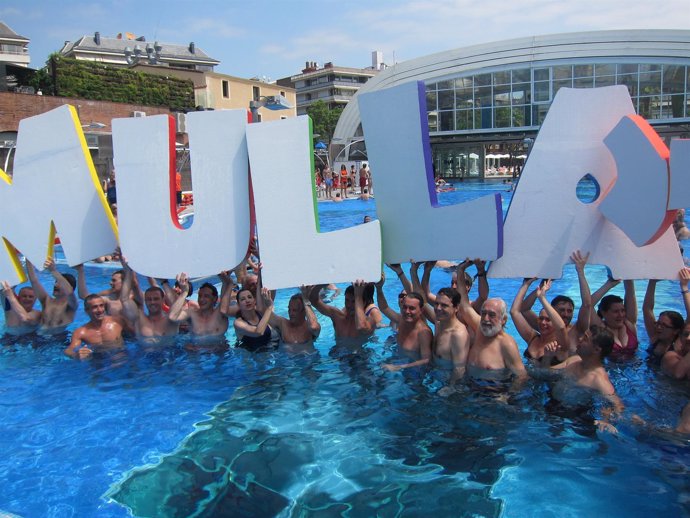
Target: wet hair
<point>297,296</point>
<point>677,320</point>
<point>89,298</point>
<point>416,296</point>
<point>607,302</point>
<point>602,337</point>
<point>191,288</point>
<point>153,289</point>
<point>211,287</point>
<point>241,290</point>
<point>350,290</point>
<point>368,294</point>
<point>121,273</point>
<point>72,281</point>
<point>562,298</point>
<point>501,306</point>
<point>453,295</point>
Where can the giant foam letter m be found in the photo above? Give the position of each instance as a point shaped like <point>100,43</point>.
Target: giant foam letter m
<point>55,186</point>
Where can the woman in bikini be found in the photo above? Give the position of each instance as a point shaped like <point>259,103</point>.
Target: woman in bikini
<point>549,345</point>
<point>252,327</point>
<point>618,315</point>
<point>664,332</point>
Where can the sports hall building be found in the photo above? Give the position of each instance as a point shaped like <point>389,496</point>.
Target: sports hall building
<point>485,103</point>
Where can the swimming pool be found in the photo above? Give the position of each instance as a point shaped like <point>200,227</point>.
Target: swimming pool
<point>166,432</point>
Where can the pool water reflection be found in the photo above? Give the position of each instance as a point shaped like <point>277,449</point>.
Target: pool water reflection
<point>167,432</point>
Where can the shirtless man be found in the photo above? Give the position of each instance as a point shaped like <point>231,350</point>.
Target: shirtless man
<point>207,320</point>
<point>414,335</point>
<point>154,326</point>
<point>586,369</point>
<point>492,348</point>
<point>301,328</point>
<point>111,295</point>
<point>452,341</point>
<point>565,306</point>
<point>20,316</point>
<point>102,332</point>
<point>349,322</point>
<point>58,310</point>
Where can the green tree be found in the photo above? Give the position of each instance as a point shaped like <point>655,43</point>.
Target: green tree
<point>324,119</point>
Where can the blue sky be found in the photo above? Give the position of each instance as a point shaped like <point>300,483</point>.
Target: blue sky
<point>273,39</point>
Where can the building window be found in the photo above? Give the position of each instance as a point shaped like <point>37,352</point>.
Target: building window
<point>226,89</point>
<point>256,93</point>
<point>282,93</point>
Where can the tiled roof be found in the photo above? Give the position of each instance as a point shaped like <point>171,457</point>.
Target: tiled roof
<point>6,32</point>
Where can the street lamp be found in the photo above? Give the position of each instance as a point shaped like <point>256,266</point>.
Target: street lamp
<point>270,102</point>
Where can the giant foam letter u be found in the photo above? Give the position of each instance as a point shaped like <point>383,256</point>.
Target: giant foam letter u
<point>145,159</point>
<point>413,224</point>
<point>54,183</point>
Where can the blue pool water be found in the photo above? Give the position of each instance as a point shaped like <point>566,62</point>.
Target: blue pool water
<point>167,432</point>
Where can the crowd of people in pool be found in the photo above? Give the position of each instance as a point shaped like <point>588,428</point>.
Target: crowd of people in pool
<point>444,331</point>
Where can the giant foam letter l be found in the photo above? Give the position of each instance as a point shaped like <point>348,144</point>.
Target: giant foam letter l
<point>413,224</point>
<point>54,182</point>
<point>145,159</point>
<point>293,251</point>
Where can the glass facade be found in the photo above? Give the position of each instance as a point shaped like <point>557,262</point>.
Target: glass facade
<point>519,98</point>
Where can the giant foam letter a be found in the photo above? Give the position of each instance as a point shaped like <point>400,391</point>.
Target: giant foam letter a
<point>54,182</point>
<point>150,236</point>
<point>412,222</point>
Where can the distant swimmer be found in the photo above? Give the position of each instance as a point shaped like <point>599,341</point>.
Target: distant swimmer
<point>676,361</point>
<point>493,351</point>
<point>301,328</point>
<point>586,370</point>
<point>101,333</point>
<point>20,315</point>
<point>58,310</point>
<point>206,321</point>
<point>452,341</point>
<point>155,325</point>
<point>350,321</point>
<point>414,335</point>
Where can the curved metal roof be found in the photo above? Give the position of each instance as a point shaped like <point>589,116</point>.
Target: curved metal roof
<point>622,45</point>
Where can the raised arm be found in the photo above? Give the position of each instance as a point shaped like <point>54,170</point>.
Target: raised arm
<point>470,316</point>
<point>312,321</point>
<point>65,287</point>
<point>9,296</point>
<point>361,321</point>
<point>392,315</point>
<point>320,305</point>
<point>527,332</point>
<point>527,312</point>
<point>414,276</point>
<point>630,302</point>
<point>556,320</point>
<point>584,316</point>
<point>226,292</point>
<point>39,290</point>
<point>407,285</point>
<point>648,308</point>
<point>82,290</point>
<point>129,307</point>
<point>426,276</point>
<point>178,313</point>
<point>684,276</point>
<point>482,284</point>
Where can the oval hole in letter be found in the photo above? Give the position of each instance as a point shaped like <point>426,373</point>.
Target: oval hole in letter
<point>588,189</point>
